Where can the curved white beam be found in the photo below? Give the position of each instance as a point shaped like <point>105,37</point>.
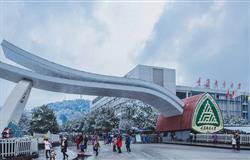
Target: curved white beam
<point>161,102</point>
<point>45,67</point>
<point>54,77</point>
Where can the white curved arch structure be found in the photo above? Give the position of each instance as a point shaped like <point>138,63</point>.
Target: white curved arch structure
<point>50,76</point>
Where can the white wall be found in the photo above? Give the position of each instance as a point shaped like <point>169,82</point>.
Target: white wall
<point>146,73</point>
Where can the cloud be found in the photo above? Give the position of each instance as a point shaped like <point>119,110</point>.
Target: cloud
<point>202,39</point>
<point>96,37</point>
<point>198,39</point>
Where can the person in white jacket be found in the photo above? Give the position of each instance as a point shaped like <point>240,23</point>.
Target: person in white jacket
<point>47,146</point>
<point>233,141</point>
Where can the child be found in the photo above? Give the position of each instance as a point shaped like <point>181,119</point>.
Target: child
<point>52,154</point>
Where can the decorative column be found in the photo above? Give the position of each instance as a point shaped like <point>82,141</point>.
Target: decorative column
<point>14,105</point>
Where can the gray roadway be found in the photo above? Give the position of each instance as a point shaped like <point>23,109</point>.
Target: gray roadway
<point>161,152</point>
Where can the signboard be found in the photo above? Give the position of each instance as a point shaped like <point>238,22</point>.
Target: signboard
<point>138,138</point>
<point>207,117</point>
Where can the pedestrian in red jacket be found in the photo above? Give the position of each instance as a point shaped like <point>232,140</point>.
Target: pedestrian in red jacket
<point>119,144</point>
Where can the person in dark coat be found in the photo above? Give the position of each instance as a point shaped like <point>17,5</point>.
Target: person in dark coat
<point>85,141</point>
<point>128,142</point>
<point>237,138</point>
<point>114,140</point>
<point>64,146</point>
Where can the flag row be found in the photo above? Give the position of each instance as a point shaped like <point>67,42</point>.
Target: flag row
<point>207,84</point>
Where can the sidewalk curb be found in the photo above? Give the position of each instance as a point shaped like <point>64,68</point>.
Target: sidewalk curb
<point>203,145</point>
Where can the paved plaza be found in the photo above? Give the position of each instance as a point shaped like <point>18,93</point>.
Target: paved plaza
<point>160,152</point>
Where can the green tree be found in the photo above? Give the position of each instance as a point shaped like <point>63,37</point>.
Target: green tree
<point>138,114</point>
<point>24,124</point>
<point>106,119</point>
<point>44,120</point>
<point>103,119</point>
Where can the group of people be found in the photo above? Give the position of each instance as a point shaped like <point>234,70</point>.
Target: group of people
<point>50,152</point>
<point>117,143</point>
<point>236,141</point>
<point>81,142</point>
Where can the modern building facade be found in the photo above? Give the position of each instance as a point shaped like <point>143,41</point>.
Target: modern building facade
<point>234,110</point>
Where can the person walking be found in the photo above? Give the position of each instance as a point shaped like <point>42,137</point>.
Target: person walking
<point>64,146</point>
<point>94,138</point>
<point>128,142</point>
<point>215,138</point>
<point>119,143</point>
<point>47,146</point>
<point>114,140</point>
<point>233,141</point>
<point>85,141</point>
<point>96,147</point>
<point>109,139</point>
<point>237,137</point>
<point>78,140</point>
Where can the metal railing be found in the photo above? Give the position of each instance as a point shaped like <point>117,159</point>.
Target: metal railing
<point>13,147</point>
<point>221,138</point>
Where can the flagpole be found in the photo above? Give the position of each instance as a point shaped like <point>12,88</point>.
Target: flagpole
<point>227,107</point>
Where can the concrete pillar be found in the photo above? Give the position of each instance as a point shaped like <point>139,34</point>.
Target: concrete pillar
<point>14,105</point>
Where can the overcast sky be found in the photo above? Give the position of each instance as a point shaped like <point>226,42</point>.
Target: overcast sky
<point>198,39</point>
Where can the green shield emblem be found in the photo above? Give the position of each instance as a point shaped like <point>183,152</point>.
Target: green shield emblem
<point>207,117</point>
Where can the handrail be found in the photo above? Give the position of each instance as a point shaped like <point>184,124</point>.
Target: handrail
<point>13,147</point>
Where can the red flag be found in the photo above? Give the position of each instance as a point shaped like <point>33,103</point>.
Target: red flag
<point>228,94</point>
<point>208,83</point>
<point>239,85</point>
<point>224,84</point>
<point>199,82</point>
<point>216,84</point>
<point>233,94</point>
<point>232,85</point>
